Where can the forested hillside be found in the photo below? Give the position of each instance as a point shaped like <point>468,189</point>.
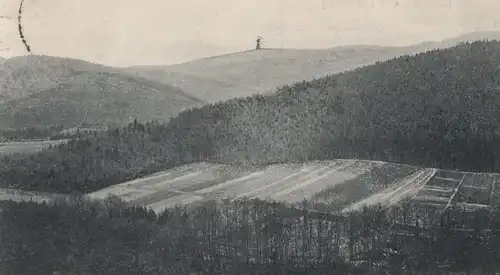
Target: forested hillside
<point>439,108</point>
<point>246,237</point>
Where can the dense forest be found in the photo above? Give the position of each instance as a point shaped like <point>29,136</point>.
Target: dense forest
<point>439,108</point>
<point>243,237</point>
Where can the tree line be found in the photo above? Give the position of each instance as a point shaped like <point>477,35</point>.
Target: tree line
<point>77,236</point>
<point>52,132</point>
<point>55,132</point>
<point>434,109</point>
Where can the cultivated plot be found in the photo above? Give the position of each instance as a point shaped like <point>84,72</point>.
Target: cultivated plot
<point>459,189</point>
<point>495,192</point>
<point>337,185</point>
<point>379,177</point>
<point>475,189</point>
<point>202,181</point>
<point>406,188</point>
<point>440,189</point>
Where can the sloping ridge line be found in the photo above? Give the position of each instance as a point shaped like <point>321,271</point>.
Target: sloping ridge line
<point>213,57</point>
<point>155,84</point>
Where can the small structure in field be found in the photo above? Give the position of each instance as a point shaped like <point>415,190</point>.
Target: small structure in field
<point>259,39</point>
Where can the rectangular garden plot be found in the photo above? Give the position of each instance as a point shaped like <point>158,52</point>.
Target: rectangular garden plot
<point>442,182</point>
<point>495,196</point>
<point>447,174</point>
<point>475,189</point>
<point>480,181</point>
<point>434,192</point>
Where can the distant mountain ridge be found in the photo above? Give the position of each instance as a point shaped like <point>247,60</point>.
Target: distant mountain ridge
<point>34,88</point>
<point>252,72</point>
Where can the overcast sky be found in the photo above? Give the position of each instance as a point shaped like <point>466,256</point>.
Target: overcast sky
<point>127,32</point>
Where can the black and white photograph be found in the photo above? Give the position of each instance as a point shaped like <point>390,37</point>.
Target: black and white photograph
<point>249,137</point>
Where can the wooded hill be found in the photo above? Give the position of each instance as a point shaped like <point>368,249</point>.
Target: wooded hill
<point>439,109</point>
<point>243,237</point>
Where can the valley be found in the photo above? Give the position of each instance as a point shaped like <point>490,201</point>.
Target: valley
<point>354,160</point>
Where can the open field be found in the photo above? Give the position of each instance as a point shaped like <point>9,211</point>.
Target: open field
<point>351,191</point>
<point>282,182</point>
<point>27,147</point>
<point>405,188</point>
<point>338,185</point>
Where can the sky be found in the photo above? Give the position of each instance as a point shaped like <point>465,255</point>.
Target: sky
<point>162,32</point>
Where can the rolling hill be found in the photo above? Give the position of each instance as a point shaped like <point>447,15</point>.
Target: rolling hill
<point>434,109</point>
<point>260,72</point>
<point>437,109</point>
<point>42,91</point>
<point>39,91</point>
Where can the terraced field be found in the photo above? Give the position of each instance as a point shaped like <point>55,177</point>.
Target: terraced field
<point>324,183</point>
<point>338,186</point>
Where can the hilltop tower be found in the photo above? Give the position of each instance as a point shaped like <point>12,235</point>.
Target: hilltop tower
<point>257,47</point>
